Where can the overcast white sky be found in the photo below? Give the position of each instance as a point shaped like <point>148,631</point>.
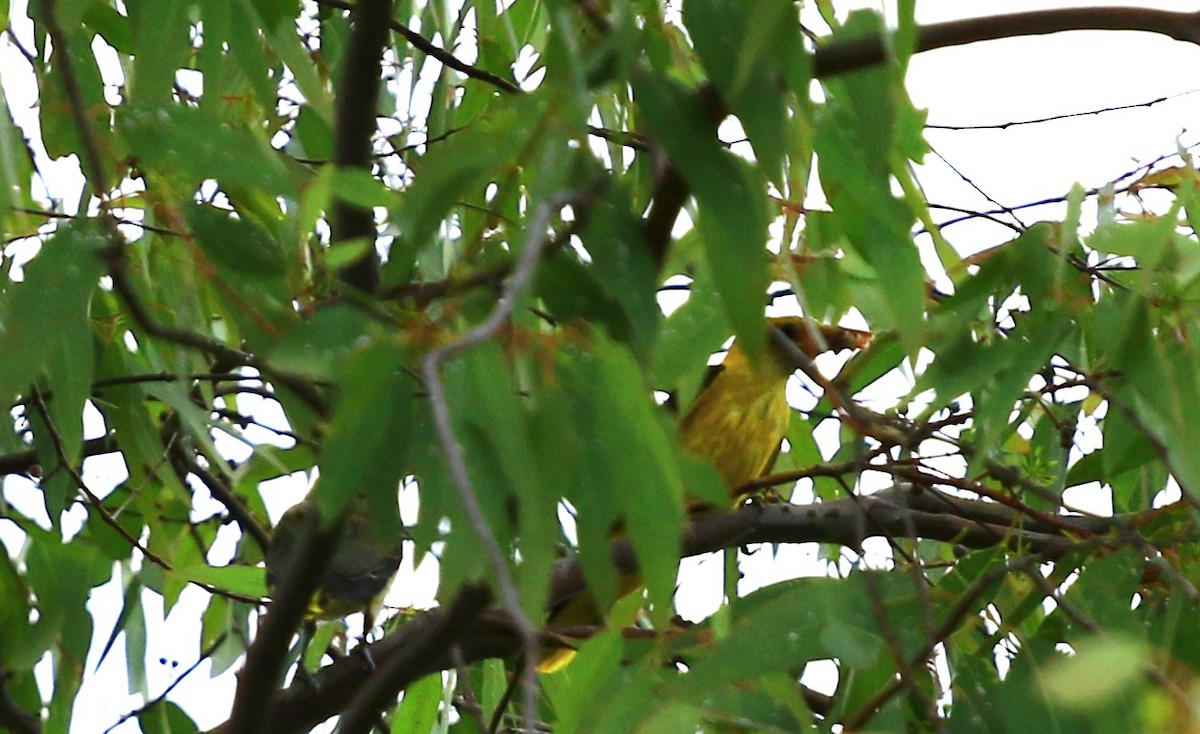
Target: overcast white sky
<point>993,83</point>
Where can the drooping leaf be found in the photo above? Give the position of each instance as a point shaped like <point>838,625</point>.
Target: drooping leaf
<point>732,217</point>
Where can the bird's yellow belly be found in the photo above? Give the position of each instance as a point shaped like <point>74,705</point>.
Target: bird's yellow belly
<point>739,435</point>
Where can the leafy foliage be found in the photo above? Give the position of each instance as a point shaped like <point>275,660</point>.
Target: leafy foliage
<point>204,319</point>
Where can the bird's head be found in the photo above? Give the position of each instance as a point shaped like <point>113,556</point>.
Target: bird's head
<point>810,337</point>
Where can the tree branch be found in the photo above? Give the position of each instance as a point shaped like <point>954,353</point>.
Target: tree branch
<point>97,504</point>
<point>424,293</point>
<point>840,57</point>
<point>259,678</point>
<point>901,511</point>
<point>419,42</point>
<point>671,189</point>
<point>91,159</point>
<point>431,367</point>
<point>400,670</point>
<point>128,294</point>
<point>354,128</point>
<point>222,493</point>
<point>22,462</point>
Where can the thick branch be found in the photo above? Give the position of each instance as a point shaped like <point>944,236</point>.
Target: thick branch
<point>899,512</point>
<point>357,100</point>
<point>406,667</point>
<point>843,56</point>
<point>264,659</point>
<point>423,44</point>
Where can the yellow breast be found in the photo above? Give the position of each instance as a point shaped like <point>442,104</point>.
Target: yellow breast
<point>739,420</point>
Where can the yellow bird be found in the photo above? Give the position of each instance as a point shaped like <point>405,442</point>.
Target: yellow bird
<point>741,415</point>
<point>737,423</point>
<point>359,570</point>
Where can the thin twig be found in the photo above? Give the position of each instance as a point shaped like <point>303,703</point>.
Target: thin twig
<point>431,367</point>
<point>963,606</point>
<point>96,503</point>
<point>423,293</point>
<point>1065,116</point>
<point>91,158</point>
<point>242,420</point>
<point>63,215</point>
<point>423,44</point>
<point>205,655</point>
<point>224,494</point>
<point>124,288</point>
<point>172,377</point>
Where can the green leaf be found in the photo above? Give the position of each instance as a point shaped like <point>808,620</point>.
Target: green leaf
<point>1029,347</point>
<point>110,25</point>
<point>781,627</point>
<point>134,628</point>
<point>59,130</point>
<point>1102,669</point>
<point>313,138</point>
<point>372,418</point>
<point>793,629</point>
<point>418,710</point>
<point>359,187</point>
<point>855,144</point>
<point>220,628</point>
<point>245,46</point>
<point>628,468</point>
<point>161,33</point>
<point>235,243</point>
<point>14,167</point>
<point>625,269</point>
<point>62,577</point>
<point>1105,591</point>
<point>20,648</point>
<point>320,345</point>
<point>597,693</point>
<point>453,170</point>
<point>190,145</point>
<point>166,717</point>
<point>688,337</point>
<point>1147,241</point>
<point>572,290</point>
<point>737,44</point>
<point>242,580</point>
<point>732,217</point>
<point>486,397</point>
<point>45,320</point>
<point>286,42</point>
